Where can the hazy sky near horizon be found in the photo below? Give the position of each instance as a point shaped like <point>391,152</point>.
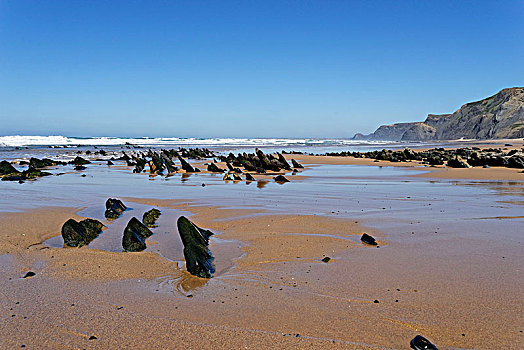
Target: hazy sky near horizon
<point>248,68</point>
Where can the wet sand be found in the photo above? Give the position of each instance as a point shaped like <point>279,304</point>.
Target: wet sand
<point>459,284</point>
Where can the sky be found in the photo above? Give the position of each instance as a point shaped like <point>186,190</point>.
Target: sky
<point>321,69</point>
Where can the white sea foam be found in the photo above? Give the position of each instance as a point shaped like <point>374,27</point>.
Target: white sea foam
<point>19,141</point>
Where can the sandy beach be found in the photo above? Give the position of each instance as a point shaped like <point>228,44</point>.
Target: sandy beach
<point>448,264</point>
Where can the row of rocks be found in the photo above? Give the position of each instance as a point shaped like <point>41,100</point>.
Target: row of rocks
<point>456,158</point>
<point>258,162</point>
<point>10,173</point>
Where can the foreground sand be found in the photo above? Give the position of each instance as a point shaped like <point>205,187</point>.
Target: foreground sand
<point>461,291</point>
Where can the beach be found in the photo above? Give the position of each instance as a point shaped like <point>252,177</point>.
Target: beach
<point>448,263</point>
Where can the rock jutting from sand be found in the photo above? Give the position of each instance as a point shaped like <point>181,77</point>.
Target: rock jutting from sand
<point>135,234</point>
<point>150,217</point>
<point>212,167</point>
<point>186,166</point>
<point>368,239</point>
<point>296,164</point>
<point>421,343</point>
<point>199,261</point>
<point>79,161</point>
<point>114,207</point>
<point>249,177</point>
<point>281,179</point>
<point>78,234</point>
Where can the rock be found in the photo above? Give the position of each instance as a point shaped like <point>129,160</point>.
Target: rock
<point>226,177</point>
<point>236,177</point>
<point>457,162</point>
<point>42,163</point>
<point>80,168</point>
<point>421,343</point>
<point>79,161</point>
<point>296,164</point>
<point>186,166</point>
<point>213,168</point>
<point>29,274</point>
<point>249,177</point>
<point>199,261</point>
<point>114,207</point>
<point>78,234</point>
<point>284,162</point>
<point>6,168</point>
<point>485,166</point>
<point>281,179</point>
<point>326,259</point>
<point>516,161</point>
<point>368,239</point>
<point>109,162</point>
<point>135,235</point>
<point>150,217</point>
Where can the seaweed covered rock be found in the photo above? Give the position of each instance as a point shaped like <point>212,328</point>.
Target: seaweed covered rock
<point>6,168</point>
<point>114,207</point>
<point>42,163</point>
<point>79,161</point>
<point>199,261</point>
<point>249,177</point>
<point>77,234</point>
<point>135,235</point>
<point>457,162</point>
<point>150,217</point>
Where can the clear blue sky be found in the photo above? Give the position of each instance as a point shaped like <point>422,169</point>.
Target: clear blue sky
<point>248,68</point>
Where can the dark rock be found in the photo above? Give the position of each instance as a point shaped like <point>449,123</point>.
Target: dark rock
<point>29,274</point>
<point>457,163</point>
<point>114,207</point>
<point>93,337</point>
<point>249,177</point>
<point>281,178</point>
<point>80,168</point>
<point>283,161</point>
<point>109,162</point>
<point>77,234</point>
<point>296,164</point>
<point>326,259</point>
<point>421,343</point>
<point>6,168</point>
<point>186,166</point>
<point>135,235</point>
<point>213,168</point>
<point>168,162</point>
<point>199,261</point>
<point>150,217</point>
<point>486,166</point>
<point>516,161</point>
<point>368,239</point>
<point>236,177</point>
<point>79,161</point>
<point>42,163</point>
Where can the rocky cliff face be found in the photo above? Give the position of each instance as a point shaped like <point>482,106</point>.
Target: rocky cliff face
<point>496,117</point>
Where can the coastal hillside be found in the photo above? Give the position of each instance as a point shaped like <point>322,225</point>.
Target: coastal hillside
<point>496,117</point>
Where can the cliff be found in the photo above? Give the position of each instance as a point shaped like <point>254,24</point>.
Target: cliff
<point>496,117</point>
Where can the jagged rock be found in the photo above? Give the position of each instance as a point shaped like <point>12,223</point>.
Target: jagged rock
<point>281,178</point>
<point>186,166</point>
<point>79,161</point>
<point>226,177</point>
<point>249,177</point>
<point>229,166</point>
<point>140,164</point>
<point>156,165</point>
<point>114,207</point>
<point>457,162</point>
<point>168,162</point>
<point>135,235</point>
<point>199,261</point>
<point>6,168</point>
<point>368,239</point>
<point>77,234</point>
<point>213,168</point>
<point>150,217</point>
<point>109,162</point>
<point>516,161</point>
<point>284,162</point>
<point>296,164</point>
<point>421,343</point>
<point>236,177</point>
